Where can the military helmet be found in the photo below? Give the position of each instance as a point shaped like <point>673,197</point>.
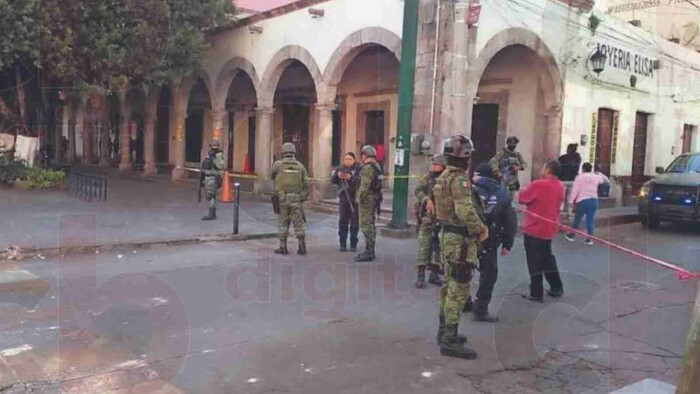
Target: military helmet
<point>439,159</point>
<point>369,151</point>
<point>215,144</point>
<point>459,146</point>
<point>512,141</point>
<point>288,148</point>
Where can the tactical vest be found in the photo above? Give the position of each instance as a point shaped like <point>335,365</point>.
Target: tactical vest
<point>376,186</point>
<point>290,177</point>
<point>444,203</point>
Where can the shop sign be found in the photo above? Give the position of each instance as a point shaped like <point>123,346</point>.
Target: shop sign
<point>594,138</point>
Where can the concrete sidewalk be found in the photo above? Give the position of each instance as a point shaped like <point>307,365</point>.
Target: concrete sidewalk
<point>138,210</point>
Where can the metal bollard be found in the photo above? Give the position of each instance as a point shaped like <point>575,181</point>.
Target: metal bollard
<point>236,206</point>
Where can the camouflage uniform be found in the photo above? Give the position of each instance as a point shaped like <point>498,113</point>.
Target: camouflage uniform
<point>510,162</point>
<point>367,201</point>
<point>428,225</point>
<point>291,199</point>
<point>212,178</point>
<point>457,247</point>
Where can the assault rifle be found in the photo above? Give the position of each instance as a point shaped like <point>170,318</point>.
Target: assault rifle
<point>201,185</point>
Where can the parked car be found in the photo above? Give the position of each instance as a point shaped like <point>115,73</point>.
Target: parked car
<point>672,195</point>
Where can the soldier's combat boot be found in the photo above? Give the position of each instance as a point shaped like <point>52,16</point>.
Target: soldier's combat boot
<point>302,246</point>
<point>420,280</point>
<point>283,247</point>
<point>441,331</point>
<point>469,305</point>
<point>434,278</point>
<point>211,215</point>
<point>367,255</point>
<point>452,347</point>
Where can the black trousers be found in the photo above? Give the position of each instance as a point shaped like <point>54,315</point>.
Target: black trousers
<point>350,219</point>
<point>541,261</point>
<point>488,275</point>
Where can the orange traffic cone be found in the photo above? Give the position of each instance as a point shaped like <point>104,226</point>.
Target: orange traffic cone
<point>226,195</point>
<point>246,164</point>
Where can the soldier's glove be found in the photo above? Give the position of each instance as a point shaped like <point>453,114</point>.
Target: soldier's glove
<point>484,234</point>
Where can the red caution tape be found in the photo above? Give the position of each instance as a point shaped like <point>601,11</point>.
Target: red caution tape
<point>683,274</point>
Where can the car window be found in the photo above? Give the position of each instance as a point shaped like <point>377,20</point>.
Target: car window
<point>694,164</point>
<point>679,165</point>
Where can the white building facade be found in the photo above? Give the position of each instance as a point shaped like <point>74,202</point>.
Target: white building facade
<point>324,75</point>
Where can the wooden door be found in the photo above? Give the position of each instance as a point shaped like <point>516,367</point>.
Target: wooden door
<point>484,132</point>
<point>604,141</point>
<point>295,123</point>
<point>687,138</point>
<point>639,152</point>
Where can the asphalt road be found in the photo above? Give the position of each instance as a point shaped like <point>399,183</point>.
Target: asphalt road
<point>235,318</point>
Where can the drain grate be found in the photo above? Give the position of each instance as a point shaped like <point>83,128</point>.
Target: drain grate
<point>635,285</point>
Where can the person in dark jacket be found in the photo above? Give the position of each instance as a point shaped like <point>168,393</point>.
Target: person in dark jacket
<point>570,163</point>
<point>500,218</point>
<point>347,177</point>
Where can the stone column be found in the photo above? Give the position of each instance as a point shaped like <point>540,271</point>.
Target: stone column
<point>149,135</point>
<point>124,131</point>
<point>323,149</point>
<point>177,127</point>
<point>553,122</point>
<point>263,147</point>
<point>217,124</point>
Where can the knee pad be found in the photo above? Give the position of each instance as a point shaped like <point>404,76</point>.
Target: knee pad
<point>461,273</point>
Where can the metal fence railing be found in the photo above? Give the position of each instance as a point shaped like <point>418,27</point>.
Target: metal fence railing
<point>89,187</point>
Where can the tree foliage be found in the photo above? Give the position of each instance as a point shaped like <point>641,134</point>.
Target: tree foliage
<point>109,43</point>
<point>19,32</point>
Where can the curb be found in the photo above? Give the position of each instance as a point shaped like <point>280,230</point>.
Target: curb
<point>77,250</point>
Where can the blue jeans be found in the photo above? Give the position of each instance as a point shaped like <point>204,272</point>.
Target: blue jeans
<point>586,207</point>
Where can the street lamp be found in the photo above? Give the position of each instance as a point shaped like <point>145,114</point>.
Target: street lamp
<point>598,60</point>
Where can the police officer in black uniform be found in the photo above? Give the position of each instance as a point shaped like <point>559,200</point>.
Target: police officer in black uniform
<point>502,223</point>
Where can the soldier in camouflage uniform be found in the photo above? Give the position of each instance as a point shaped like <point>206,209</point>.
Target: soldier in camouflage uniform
<point>462,230</point>
<point>212,171</point>
<point>292,189</point>
<point>508,163</point>
<point>425,215</point>
<point>368,199</point>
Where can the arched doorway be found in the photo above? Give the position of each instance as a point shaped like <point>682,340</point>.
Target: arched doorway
<point>198,118</point>
<point>367,102</point>
<point>241,102</point>
<point>294,99</point>
<point>519,89</point>
<point>163,126</point>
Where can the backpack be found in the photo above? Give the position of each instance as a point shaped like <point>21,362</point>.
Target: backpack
<point>208,163</point>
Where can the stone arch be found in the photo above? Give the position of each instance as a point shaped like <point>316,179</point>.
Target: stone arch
<point>518,36</point>
<point>227,74</point>
<point>541,133</point>
<point>350,48</point>
<point>279,63</point>
<point>186,85</point>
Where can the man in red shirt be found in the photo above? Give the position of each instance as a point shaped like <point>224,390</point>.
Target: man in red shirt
<point>543,198</point>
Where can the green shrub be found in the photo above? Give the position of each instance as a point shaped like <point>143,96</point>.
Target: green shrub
<point>41,178</point>
<point>10,170</point>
